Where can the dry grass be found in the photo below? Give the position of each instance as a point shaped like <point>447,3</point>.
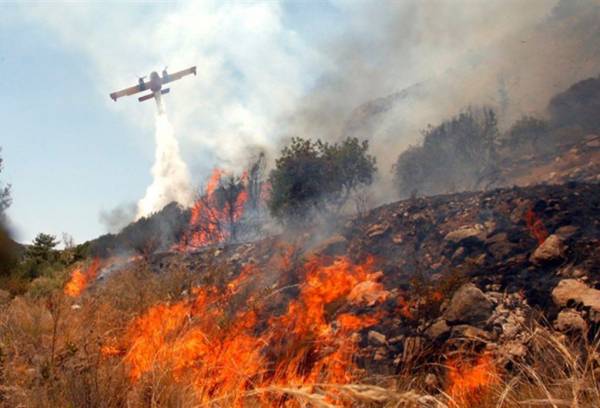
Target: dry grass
<point>50,357</point>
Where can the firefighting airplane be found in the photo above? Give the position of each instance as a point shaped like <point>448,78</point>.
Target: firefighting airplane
<point>154,85</point>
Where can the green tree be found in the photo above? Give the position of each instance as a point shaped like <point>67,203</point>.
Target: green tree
<point>318,176</point>
<point>42,248</point>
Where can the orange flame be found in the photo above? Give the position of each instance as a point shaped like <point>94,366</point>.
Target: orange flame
<point>208,222</point>
<point>470,383</point>
<point>225,352</point>
<point>80,280</point>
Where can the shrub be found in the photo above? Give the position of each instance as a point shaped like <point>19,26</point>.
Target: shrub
<point>526,133</point>
<point>318,176</point>
<point>458,154</point>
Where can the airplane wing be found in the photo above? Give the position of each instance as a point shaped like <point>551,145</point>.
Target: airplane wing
<point>178,75</point>
<point>128,91</point>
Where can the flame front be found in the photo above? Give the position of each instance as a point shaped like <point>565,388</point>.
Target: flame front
<point>470,383</point>
<point>210,222</point>
<point>80,279</point>
<point>226,353</point>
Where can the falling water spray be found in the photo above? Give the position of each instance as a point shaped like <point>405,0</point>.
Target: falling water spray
<point>171,181</point>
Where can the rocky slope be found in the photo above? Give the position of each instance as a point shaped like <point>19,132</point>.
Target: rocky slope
<point>469,268</point>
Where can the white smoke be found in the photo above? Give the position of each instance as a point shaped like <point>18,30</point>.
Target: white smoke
<point>171,180</point>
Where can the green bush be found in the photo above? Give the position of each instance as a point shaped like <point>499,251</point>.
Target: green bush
<point>318,176</point>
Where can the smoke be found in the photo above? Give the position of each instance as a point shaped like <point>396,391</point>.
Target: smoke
<point>380,71</point>
<point>424,62</point>
<point>171,182</point>
<point>118,218</point>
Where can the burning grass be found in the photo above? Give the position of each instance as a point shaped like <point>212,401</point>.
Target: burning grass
<point>223,353</point>
<point>143,339</point>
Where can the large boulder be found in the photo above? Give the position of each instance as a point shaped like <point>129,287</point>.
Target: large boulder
<point>474,232</point>
<point>334,245</point>
<point>469,305</point>
<point>551,250</point>
<point>570,320</point>
<point>571,290</point>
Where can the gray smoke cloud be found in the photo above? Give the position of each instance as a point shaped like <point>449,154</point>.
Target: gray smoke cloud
<point>119,217</point>
<point>404,65</point>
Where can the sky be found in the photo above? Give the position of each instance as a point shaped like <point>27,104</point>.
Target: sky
<point>266,70</point>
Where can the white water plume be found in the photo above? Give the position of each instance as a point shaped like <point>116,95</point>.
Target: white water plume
<point>171,181</point>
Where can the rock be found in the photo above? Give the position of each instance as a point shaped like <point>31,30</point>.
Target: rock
<point>499,246</point>
<point>571,271</point>
<point>552,249</point>
<point>566,231</point>
<point>398,239</point>
<point>396,340</point>
<point>377,230</point>
<point>470,332</point>
<point>472,232</point>
<point>571,290</point>
<point>376,338</point>
<point>469,305</point>
<point>593,143</point>
<point>513,349</point>
<point>368,292</point>
<point>380,354</point>
<point>457,255</point>
<point>570,320</point>
<point>437,329</point>
<point>334,245</point>
<point>431,382</point>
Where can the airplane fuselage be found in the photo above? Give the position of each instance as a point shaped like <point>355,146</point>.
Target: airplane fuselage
<point>154,84</point>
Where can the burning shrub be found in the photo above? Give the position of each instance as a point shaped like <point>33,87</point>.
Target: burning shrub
<point>80,279</point>
<point>216,214</point>
<point>318,176</point>
<point>459,154</point>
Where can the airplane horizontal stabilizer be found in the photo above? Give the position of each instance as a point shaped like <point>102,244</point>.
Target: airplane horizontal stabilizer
<point>146,97</point>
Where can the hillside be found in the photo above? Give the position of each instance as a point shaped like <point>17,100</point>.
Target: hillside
<point>440,299</point>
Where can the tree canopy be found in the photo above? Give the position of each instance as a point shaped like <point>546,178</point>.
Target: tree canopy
<point>318,176</point>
